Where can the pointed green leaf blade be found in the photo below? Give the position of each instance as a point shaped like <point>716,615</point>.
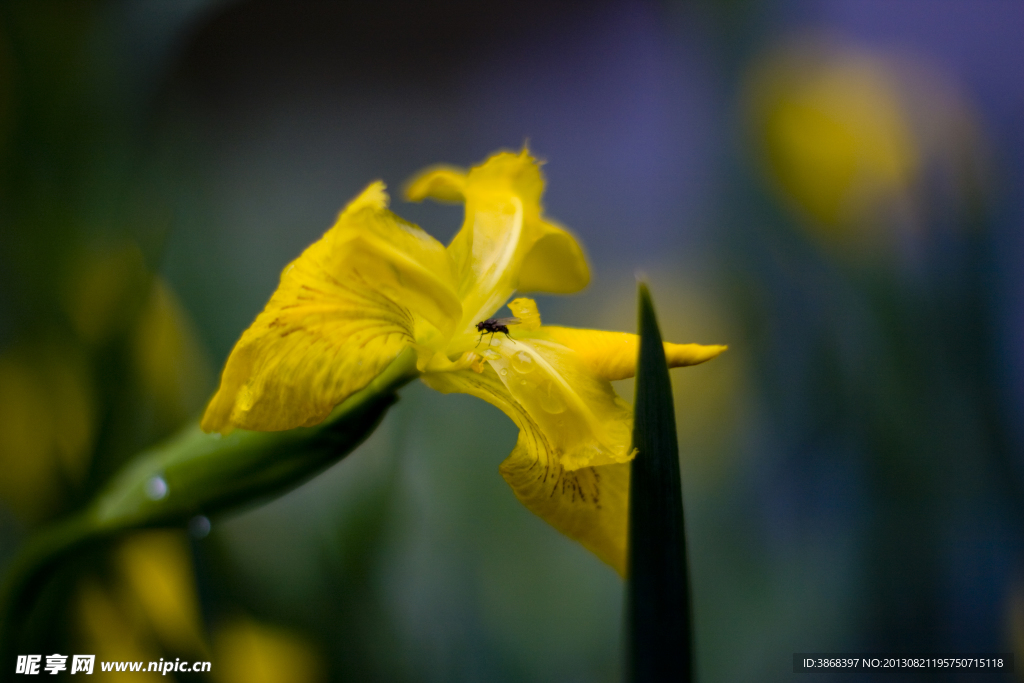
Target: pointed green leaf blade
<point>660,645</point>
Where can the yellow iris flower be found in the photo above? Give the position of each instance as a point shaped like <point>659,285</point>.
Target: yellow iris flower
<point>375,285</point>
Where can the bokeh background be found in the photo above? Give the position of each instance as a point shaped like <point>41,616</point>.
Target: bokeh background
<point>834,189</point>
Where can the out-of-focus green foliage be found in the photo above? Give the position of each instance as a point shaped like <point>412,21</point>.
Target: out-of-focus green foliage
<point>98,358</point>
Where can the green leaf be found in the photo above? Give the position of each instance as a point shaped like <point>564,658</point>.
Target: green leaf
<point>660,645</point>
<point>198,473</point>
<point>194,473</point>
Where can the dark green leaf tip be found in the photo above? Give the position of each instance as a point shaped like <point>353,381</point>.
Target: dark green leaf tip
<point>658,594</point>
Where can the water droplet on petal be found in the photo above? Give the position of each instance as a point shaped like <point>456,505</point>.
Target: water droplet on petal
<point>504,372</point>
<point>156,488</point>
<point>523,362</point>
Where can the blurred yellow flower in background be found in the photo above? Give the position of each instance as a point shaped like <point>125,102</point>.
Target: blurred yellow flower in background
<point>47,426</point>
<point>112,631</point>
<point>170,363</point>
<point>375,285</point>
<point>848,136</point>
<point>835,131</point>
<point>156,567</point>
<point>149,608</point>
<point>247,651</point>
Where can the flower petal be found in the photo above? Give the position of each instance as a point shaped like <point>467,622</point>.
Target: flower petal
<point>504,243</point>
<point>555,264</point>
<point>440,183</point>
<point>342,311</point>
<point>612,355</point>
<point>526,310</point>
<point>587,504</point>
<point>586,422</point>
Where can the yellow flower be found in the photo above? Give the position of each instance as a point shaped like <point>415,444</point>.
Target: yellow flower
<point>48,418</point>
<point>251,652</point>
<point>836,133</point>
<point>375,285</point>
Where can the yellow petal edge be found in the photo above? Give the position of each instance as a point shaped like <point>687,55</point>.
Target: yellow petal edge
<point>338,317</point>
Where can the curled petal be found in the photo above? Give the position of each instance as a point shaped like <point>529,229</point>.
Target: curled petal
<point>505,243</point>
<point>612,355</point>
<point>555,264</point>
<point>343,310</point>
<point>440,183</point>
<point>588,504</point>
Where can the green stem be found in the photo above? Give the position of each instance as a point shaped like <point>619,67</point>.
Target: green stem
<point>194,473</point>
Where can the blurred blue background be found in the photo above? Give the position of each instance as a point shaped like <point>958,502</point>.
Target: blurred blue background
<point>834,189</point>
